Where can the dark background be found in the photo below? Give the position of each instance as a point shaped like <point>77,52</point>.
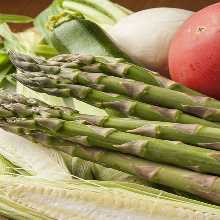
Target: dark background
<point>33,7</point>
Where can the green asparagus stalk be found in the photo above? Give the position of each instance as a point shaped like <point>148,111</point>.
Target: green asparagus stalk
<point>21,112</point>
<point>203,107</point>
<point>104,100</point>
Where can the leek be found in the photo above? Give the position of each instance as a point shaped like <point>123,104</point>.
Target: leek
<point>90,200</point>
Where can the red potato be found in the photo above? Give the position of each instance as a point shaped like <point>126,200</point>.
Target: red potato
<point>194,55</point>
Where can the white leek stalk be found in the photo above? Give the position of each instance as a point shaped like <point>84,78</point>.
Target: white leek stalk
<point>72,200</point>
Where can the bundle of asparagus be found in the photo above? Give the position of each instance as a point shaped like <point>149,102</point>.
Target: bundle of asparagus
<point>69,70</point>
<point>64,86</point>
<point>17,111</point>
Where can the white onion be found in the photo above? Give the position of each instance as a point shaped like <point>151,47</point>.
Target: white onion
<point>145,36</point>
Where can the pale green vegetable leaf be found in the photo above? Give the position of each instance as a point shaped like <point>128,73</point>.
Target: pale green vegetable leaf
<point>10,39</point>
<point>41,20</point>
<point>35,159</point>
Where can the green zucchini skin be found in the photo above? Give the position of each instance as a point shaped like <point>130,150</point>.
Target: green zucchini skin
<point>84,37</point>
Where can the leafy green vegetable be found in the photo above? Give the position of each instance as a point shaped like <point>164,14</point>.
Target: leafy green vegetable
<point>4,60</point>
<point>78,35</point>
<point>42,19</point>
<point>3,74</point>
<point>8,18</point>
<point>22,42</point>
<point>100,9</point>
<point>89,13</point>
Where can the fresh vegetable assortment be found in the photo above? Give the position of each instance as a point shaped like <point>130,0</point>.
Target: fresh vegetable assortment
<point>88,130</point>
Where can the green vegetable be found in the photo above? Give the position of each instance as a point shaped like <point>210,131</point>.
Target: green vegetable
<point>118,163</point>
<point>105,7</point>
<point>182,155</point>
<point>45,50</point>
<point>193,134</point>
<point>29,113</point>
<point>72,34</point>
<point>203,107</point>
<point>41,20</point>
<point>90,13</point>
<point>104,13</point>
<point>105,100</point>
<point>41,82</point>
<point>120,68</point>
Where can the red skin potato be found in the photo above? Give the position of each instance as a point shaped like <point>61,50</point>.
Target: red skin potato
<point>194,55</point>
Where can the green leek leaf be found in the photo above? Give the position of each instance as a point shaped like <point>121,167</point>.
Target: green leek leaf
<point>8,18</point>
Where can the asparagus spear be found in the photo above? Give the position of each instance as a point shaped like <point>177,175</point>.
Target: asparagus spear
<point>21,112</point>
<point>203,107</point>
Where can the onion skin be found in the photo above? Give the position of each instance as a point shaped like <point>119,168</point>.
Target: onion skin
<point>194,56</point>
<point>146,35</point>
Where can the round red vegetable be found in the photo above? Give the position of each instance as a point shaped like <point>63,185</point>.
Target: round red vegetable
<point>194,55</point>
